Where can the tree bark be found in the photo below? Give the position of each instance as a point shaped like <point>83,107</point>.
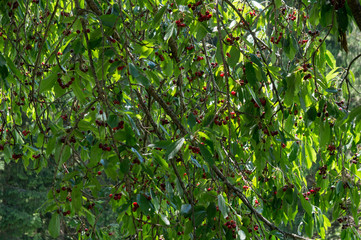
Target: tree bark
<point>355,7</point>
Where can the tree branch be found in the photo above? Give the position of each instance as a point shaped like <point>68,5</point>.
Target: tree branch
<point>239,193</point>
<point>249,205</point>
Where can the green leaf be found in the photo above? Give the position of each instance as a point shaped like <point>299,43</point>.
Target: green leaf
<point>108,20</point>
<point>138,76</point>
<point>290,47</point>
<point>355,113</point>
<point>174,148</point>
<point>76,197</point>
<point>309,225</point>
<point>311,113</point>
<point>48,82</point>
<point>292,86</point>
<point>199,217</point>
<point>242,235</point>
<point>222,206</point>
<point>207,156</point>
<point>330,59</point>
<point>95,42</point>
<point>90,217</point>
<point>253,94</point>
<point>201,31</point>
<point>54,225</point>
<point>211,210</point>
<point>325,134</point>
<point>158,17</point>
<point>235,56</point>
<point>278,3</point>
<point>311,153</point>
<point>140,157</point>
<point>170,31</point>
<point>186,209</point>
<point>13,68</point>
<point>4,72</point>
<point>80,95</point>
<point>331,75</point>
<point>164,219</point>
<point>251,74</point>
<point>306,205</point>
<point>7,152</point>
<point>145,205</point>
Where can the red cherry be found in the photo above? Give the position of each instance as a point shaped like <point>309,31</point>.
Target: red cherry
<point>99,173</point>
<point>233,93</point>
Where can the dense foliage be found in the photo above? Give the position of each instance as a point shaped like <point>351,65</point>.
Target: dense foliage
<point>183,119</point>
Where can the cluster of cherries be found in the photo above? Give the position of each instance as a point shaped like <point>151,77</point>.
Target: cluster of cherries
<point>101,123</point>
<point>164,121</point>
<point>116,196</point>
<point>311,191</point>
<point>230,39</point>
<point>252,13</point>
<point>105,147</point>
<point>17,156</point>
<point>322,171</point>
<point>230,224</point>
<point>331,148</point>
<point>195,5</point>
<point>198,59</point>
<point>292,16</point>
<point>195,150</point>
<point>161,57</point>
<point>307,76</point>
<point>71,140</point>
<point>306,66</point>
<point>204,17</point>
<point>64,213</point>
<point>189,48</point>
<point>180,23</point>
<point>354,159</point>
<point>278,39</point>
<point>135,206</point>
<point>67,85</point>
<point>120,126</point>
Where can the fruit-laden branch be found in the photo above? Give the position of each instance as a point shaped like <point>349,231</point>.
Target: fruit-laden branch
<point>355,7</point>
<point>258,44</point>
<point>184,131</point>
<point>248,204</point>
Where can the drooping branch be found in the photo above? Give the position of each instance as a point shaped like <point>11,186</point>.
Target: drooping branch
<point>249,205</point>
<point>355,7</point>
<point>239,193</point>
